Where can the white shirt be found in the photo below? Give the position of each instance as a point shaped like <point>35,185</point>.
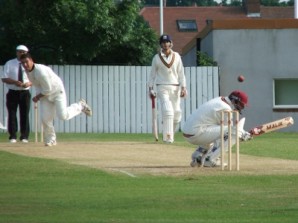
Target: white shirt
<point>11,70</point>
<point>161,74</point>
<point>208,113</point>
<point>46,81</point>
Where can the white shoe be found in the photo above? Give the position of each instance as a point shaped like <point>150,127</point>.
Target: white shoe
<point>24,141</point>
<point>12,140</point>
<point>86,108</point>
<point>209,163</point>
<point>168,141</point>
<point>51,143</point>
<point>214,163</point>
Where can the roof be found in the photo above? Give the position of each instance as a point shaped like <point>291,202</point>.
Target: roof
<point>242,24</point>
<point>201,14</point>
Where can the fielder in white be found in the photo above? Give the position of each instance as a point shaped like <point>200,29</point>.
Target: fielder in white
<point>202,128</point>
<point>167,72</point>
<point>51,94</point>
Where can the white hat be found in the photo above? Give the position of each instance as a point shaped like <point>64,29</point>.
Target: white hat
<point>22,48</point>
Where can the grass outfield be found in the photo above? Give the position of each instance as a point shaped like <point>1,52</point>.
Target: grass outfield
<point>42,190</point>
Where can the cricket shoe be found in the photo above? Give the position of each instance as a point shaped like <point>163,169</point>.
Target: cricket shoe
<point>169,141</point>
<point>196,162</point>
<point>51,143</point>
<point>24,141</point>
<point>197,157</point>
<point>213,163</point>
<point>12,140</point>
<point>85,107</point>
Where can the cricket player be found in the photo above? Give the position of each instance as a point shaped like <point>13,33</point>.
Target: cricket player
<point>202,128</point>
<point>51,94</point>
<point>167,72</point>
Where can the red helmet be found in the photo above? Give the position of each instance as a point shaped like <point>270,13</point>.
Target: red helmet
<point>239,99</point>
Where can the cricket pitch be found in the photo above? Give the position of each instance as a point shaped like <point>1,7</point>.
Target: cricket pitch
<point>136,158</point>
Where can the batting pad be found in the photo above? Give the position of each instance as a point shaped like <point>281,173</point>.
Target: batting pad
<point>167,129</point>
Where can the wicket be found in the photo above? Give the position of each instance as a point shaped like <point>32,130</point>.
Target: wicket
<point>232,120</point>
<point>36,118</point>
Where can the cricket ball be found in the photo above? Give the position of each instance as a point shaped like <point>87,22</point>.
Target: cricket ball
<point>241,78</point>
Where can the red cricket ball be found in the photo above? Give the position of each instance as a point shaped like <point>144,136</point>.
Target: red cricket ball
<point>241,78</point>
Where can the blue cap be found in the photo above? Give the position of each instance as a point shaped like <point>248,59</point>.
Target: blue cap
<point>165,38</point>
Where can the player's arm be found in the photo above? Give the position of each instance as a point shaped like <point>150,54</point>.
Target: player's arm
<point>37,97</point>
<point>181,76</point>
<point>12,81</point>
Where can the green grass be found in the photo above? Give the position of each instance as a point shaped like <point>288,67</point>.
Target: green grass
<point>40,190</point>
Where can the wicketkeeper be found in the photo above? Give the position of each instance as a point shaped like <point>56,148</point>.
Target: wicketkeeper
<point>167,72</point>
<point>202,128</point>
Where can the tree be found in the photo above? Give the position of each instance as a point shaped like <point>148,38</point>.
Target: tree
<point>203,59</point>
<point>77,32</point>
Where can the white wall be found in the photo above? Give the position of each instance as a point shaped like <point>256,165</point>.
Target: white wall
<point>118,97</point>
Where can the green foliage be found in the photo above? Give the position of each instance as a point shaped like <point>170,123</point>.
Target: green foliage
<point>77,32</point>
<point>203,59</point>
<point>235,3</point>
<point>270,2</point>
<point>134,43</point>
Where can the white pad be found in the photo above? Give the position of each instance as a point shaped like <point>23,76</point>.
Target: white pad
<point>177,116</point>
<point>213,154</point>
<point>168,122</point>
<point>198,152</point>
<point>241,124</point>
<point>175,127</point>
<point>167,129</point>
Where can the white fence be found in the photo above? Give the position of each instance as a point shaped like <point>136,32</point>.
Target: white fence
<point>119,98</point>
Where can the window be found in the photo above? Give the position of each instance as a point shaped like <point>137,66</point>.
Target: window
<point>187,25</point>
<point>285,93</point>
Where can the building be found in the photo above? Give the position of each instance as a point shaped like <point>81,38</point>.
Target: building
<point>192,20</point>
<point>264,51</point>
<point>258,42</point>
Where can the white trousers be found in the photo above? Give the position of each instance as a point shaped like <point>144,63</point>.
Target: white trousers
<point>208,137</point>
<point>169,96</point>
<point>56,106</point>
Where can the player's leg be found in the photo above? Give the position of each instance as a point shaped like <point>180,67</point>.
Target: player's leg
<point>175,99</point>
<point>167,121</point>
<point>25,102</point>
<point>197,155</point>
<point>213,154</point>
<point>66,113</point>
<point>47,114</point>
<point>207,138</point>
<point>12,101</point>
<point>167,113</point>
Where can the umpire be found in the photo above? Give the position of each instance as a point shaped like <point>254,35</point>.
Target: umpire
<point>17,96</point>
